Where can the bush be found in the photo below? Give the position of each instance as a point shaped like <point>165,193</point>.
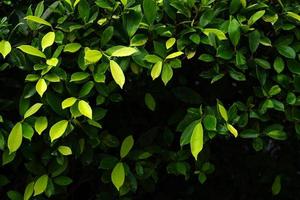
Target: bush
<point>150,99</point>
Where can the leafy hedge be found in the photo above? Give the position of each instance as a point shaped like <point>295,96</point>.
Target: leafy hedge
<point>115,98</point>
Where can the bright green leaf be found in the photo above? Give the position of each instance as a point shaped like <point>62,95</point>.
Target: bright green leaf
<point>196,142</point>
<point>72,47</point>
<point>117,73</point>
<point>33,109</point>
<point>170,42</point>
<point>68,102</point>
<point>48,40</point>
<point>64,150</point>
<point>256,16</point>
<point>37,20</point>
<point>41,123</point>
<point>85,109</point>
<point>58,129</point>
<point>220,35</point>
<point>28,191</point>
<point>156,70</point>
<point>40,185</point>
<point>118,175</point>
<point>5,48</point>
<point>92,56</point>
<point>232,130</point>
<point>14,140</point>
<point>41,87</point>
<point>222,111</point>
<point>124,51</point>
<point>31,51</point>
<point>174,55</point>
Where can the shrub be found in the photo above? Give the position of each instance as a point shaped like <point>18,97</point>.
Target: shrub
<point>137,99</point>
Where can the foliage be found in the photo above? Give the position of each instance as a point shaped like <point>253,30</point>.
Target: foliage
<point>114,97</point>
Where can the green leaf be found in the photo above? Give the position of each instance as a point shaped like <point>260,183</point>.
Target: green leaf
<point>222,110</point>
<point>117,73</point>
<point>123,52</point>
<point>5,48</point>
<point>31,51</point>
<point>92,56</point>
<point>126,146</point>
<point>68,102</point>
<point>41,87</point>
<point>254,40</point>
<point>41,123</point>
<point>62,180</point>
<point>40,185</point>
<point>167,74</point>
<point>107,35</point>
<point>234,31</point>
<point>278,64</point>
<point>58,129</point>
<point>170,42</point>
<point>174,55</point>
<point>232,130</point>
<point>132,19</point>
<point>206,58</point>
<point>220,35</point>
<point>256,16</point>
<point>72,47</point>
<point>118,175</point>
<point>37,20</point>
<point>210,122</point>
<point>79,76</point>
<point>65,150</point>
<point>262,63</point>
<point>33,109</point>
<point>14,140</point>
<point>274,90</point>
<point>124,2</point>
<point>85,109</point>
<point>277,135</point>
<point>276,186</point>
<point>286,51</point>
<point>48,40</point>
<point>152,58</point>
<point>196,142</point>
<point>156,70</point>
<point>150,11</point>
<point>293,15</point>
<point>150,101</point>
<point>28,191</point>
<point>27,131</point>
<point>138,40</point>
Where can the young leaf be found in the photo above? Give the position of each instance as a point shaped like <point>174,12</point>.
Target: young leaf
<point>92,56</point>
<point>167,74</point>
<point>41,87</point>
<point>52,62</point>
<point>33,109</point>
<point>174,55</point>
<point>126,146</point>
<point>27,131</point>
<point>31,51</point>
<point>118,175</point>
<point>222,111</point>
<point>256,16</point>
<point>117,73</point>
<point>232,130</point>
<point>58,129</point>
<point>68,102</point>
<point>40,185</point>
<point>37,20</point>
<point>150,101</point>
<point>28,191</point>
<point>170,42</point>
<point>124,51</point>
<point>196,142</point>
<point>64,150</point>
<point>5,48</point>
<point>293,15</point>
<point>14,140</point>
<point>156,70</point>
<point>220,34</point>
<point>48,40</point>
<point>85,109</point>
<point>72,47</point>
<point>41,123</point>
<point>150,12</point>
